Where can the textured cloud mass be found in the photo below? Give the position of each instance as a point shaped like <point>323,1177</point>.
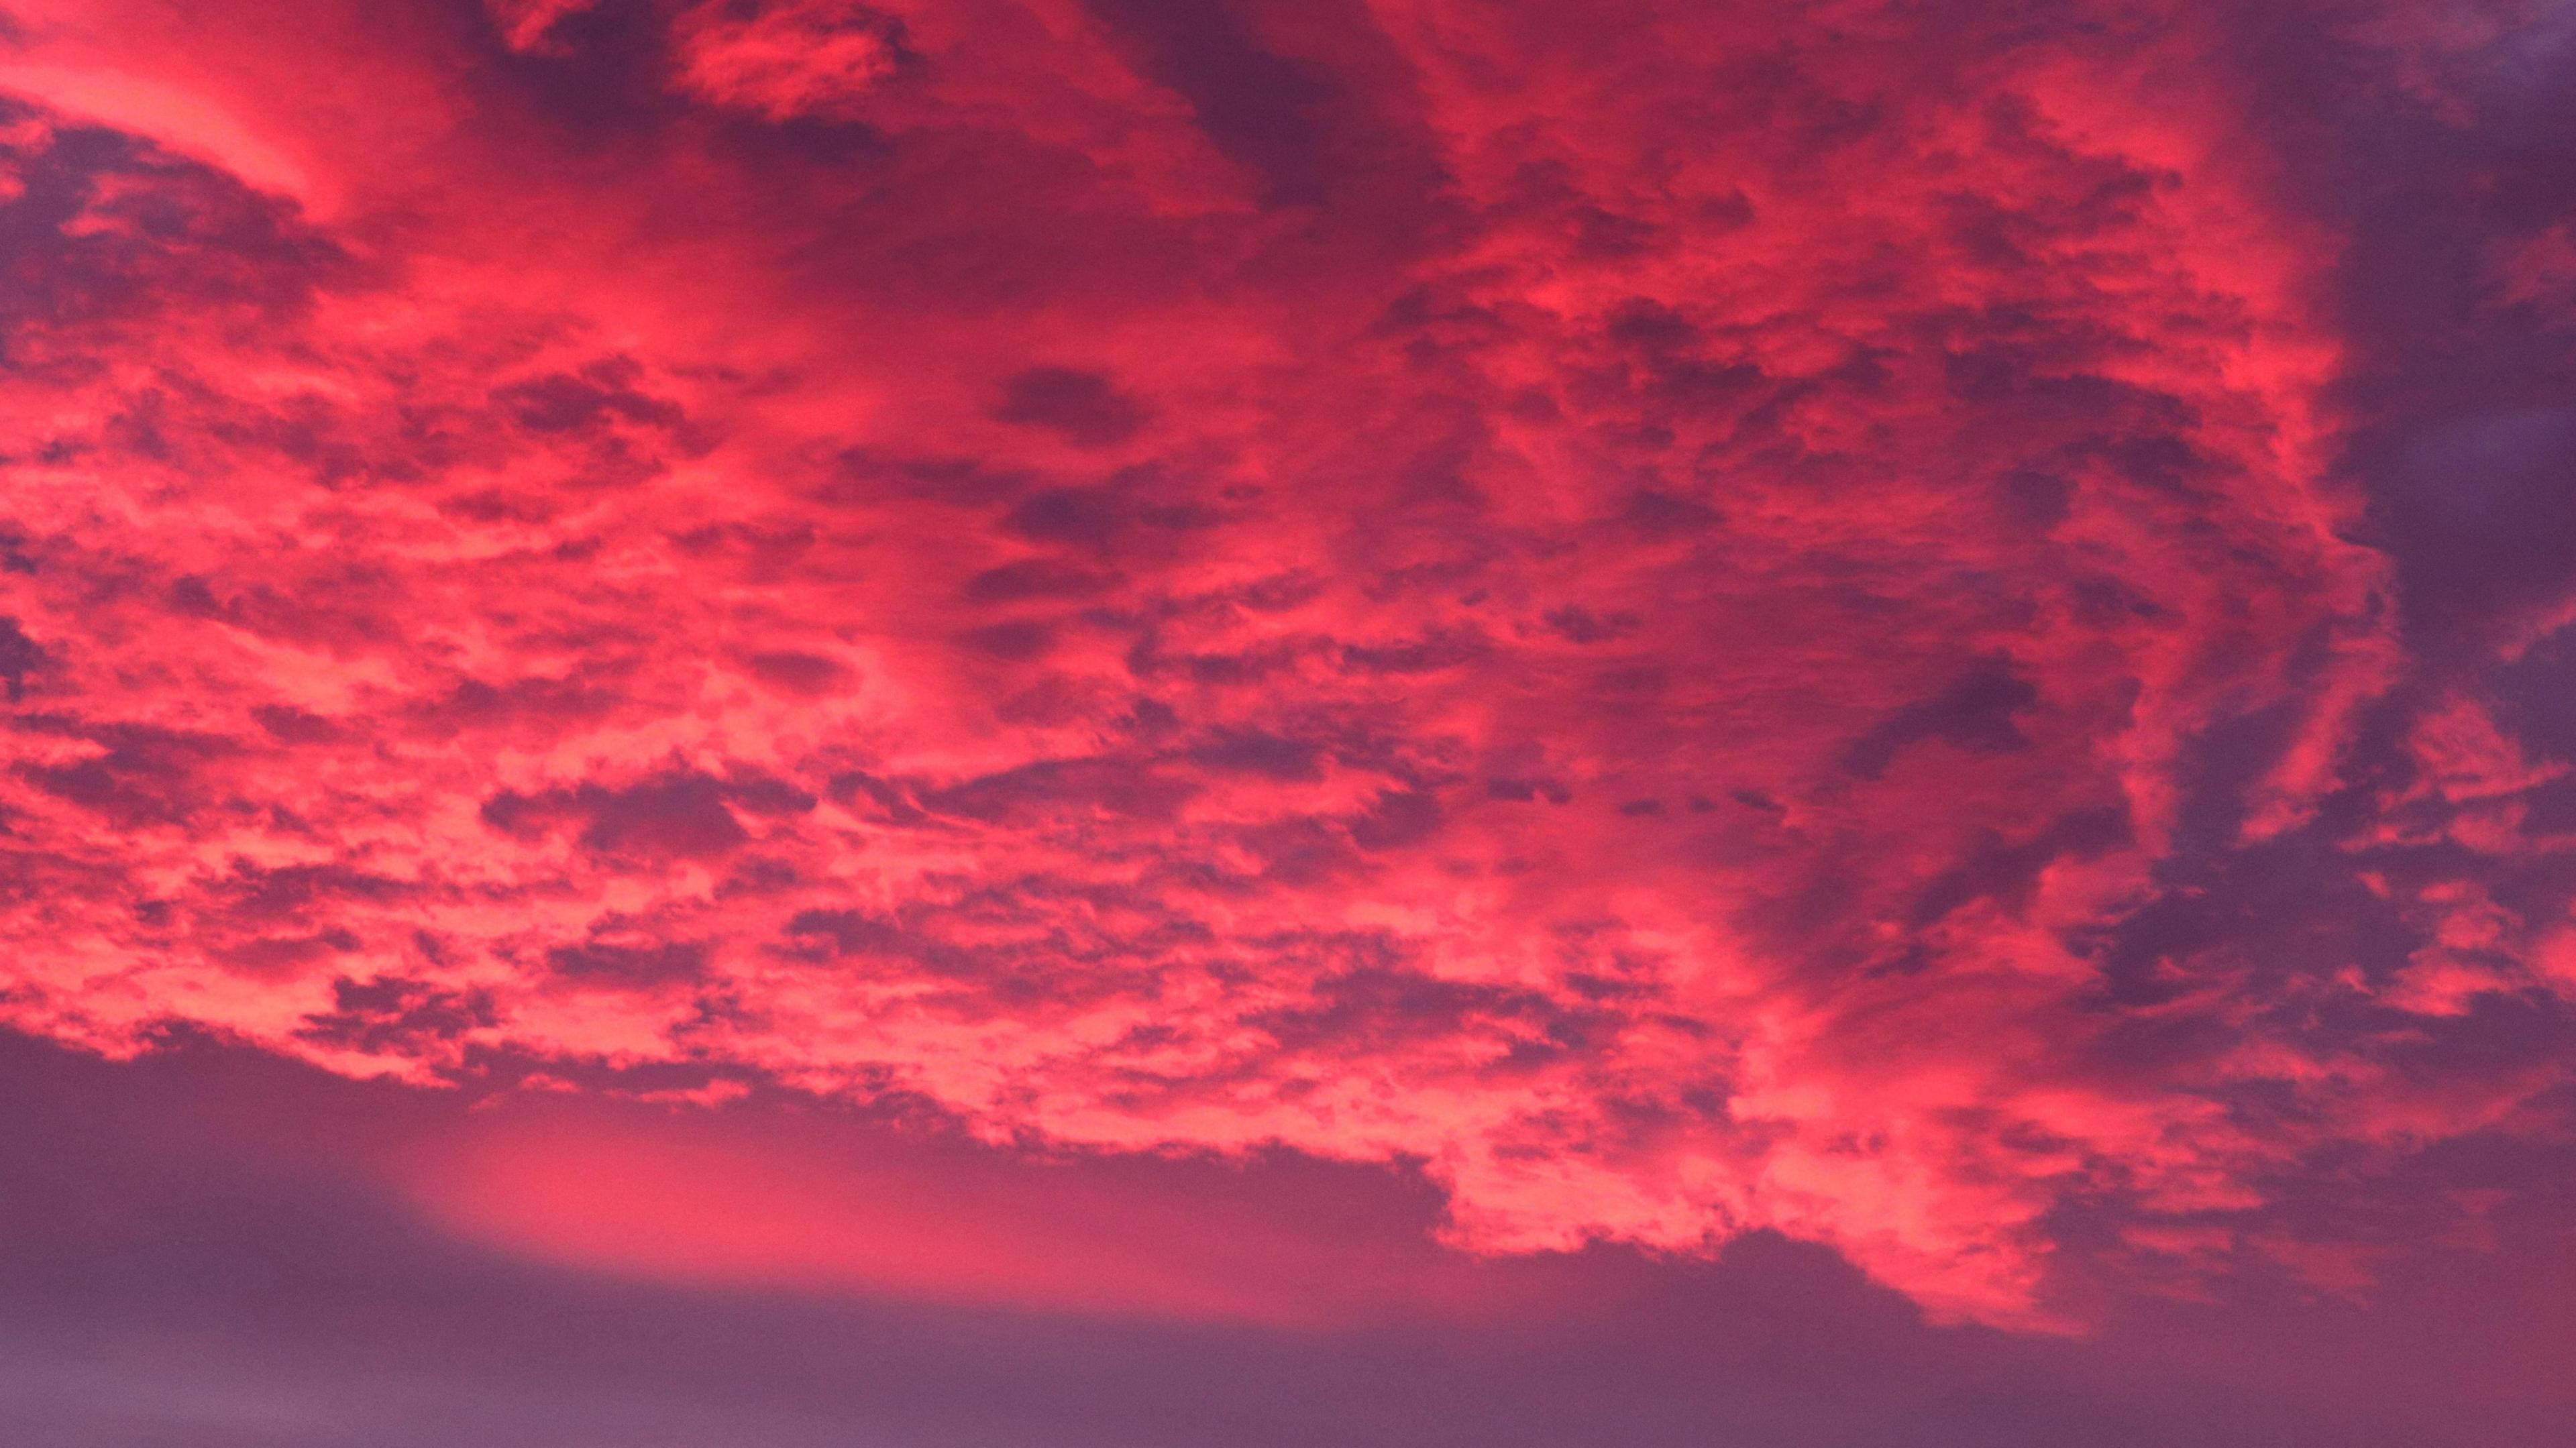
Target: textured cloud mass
<point>1864,619</point>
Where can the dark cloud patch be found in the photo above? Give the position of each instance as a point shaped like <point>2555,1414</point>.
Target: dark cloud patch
<point>628,966</point>
<point>1576,624</point>
<point>1261,752</point>
<point>287,892</point>
<point>1019,640</point>
<point>1031,578</point>
<point>395,1015</point>
<point>760,794</point>
<point>290,725</point>
<point>1397,820</point>
<point>1118,786</point>
<point>673,816</point>
<point>544,703</point>
<point>1103,518</point>
<point>1315,104</point>
<point>284,957</point>
<point>144,774</point>
<point>203,1222</point>
<point>2286,909</point>
<point>1084,408</point>
<point>1977,714</point>
<point>102,228</point>
<point>1432,651</point>
<point>584,401</point>
<point>2475,508</point>
<point>682,816</point>
<point>2463,353</point>
<point>850,932</point>
<point>1661,515</point>
<point>2006,872</point>
<point>19,657</point>
<point>1091,516</point>
<point>1266,111</point>
<point>888,797</point>
<point>596,81</point>
<point>1362,1009</point>
<point>797,672</point>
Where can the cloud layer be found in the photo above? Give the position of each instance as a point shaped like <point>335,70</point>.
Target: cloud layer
<point>1848,618</point>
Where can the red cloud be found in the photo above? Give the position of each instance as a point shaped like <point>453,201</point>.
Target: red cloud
<point>1667,622</point>
<point>785,60</point>
<point>722,1200</point>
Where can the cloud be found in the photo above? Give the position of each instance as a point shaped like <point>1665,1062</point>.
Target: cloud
<point>734,1200</point>
<point>785,60</point>
<point>1769,620</point>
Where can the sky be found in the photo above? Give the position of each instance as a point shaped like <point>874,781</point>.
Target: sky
<point>1242,722</point>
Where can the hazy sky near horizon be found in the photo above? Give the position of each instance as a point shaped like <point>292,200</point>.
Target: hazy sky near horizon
<point>1223,721</point>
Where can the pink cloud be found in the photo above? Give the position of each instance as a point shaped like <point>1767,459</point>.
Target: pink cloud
<point>1656,627</point>
<point>735,1200</point>
<point>785,60</point>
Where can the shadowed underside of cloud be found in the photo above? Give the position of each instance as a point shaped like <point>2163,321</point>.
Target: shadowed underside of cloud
<point>1853,619</point>
<point>201,1252</point>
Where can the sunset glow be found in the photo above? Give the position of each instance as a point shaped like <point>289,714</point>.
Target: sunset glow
<point>1379,666</point>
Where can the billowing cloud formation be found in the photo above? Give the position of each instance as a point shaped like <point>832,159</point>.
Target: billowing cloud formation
<point>1821,617</point>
